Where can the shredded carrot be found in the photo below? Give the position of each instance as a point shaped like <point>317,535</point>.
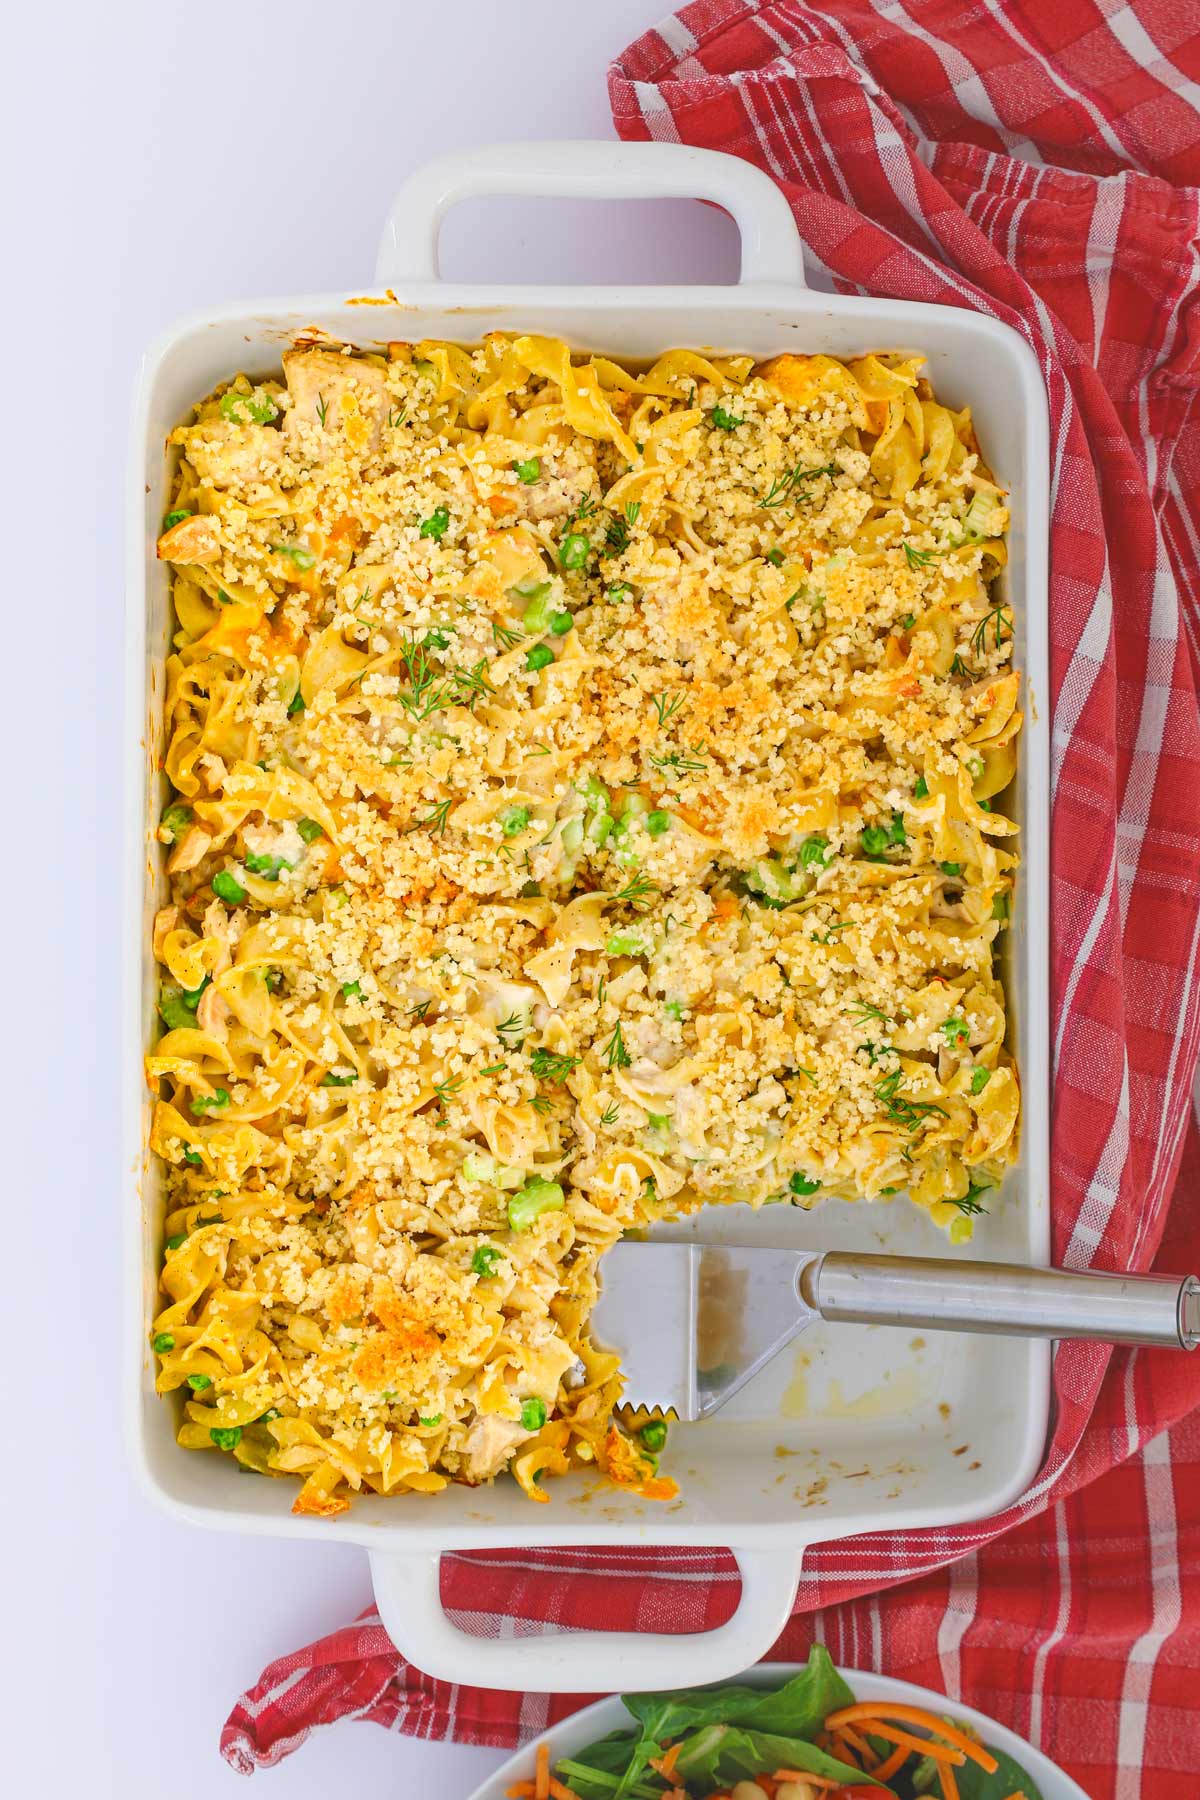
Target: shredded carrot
<point>520,1790</point>
<point>541,1773</point>
<point>923,1746</point>
<point>665,1764</point>
<point>867,1710</point>
<point>949,1785</point>
<point>895,1761</point>
<point>841,1748</point>
<point>860,1744</point>
<point>559,1792</point>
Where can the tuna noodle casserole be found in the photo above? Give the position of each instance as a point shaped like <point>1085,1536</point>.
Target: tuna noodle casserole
<point>581,813</point>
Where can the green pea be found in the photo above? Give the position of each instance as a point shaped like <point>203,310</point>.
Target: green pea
<point>437,524</point>
<point>980,1079</point>
<point>309,830</point>
<point>352,990</point>
<point>561,623</point>
<point>198,1383</point>
<point>533,1415</point>
<point>673,1009</point>
<point>540,657</point>
<point>618,591</point>
<point>812,851</point>
<point>484,1261</point>
<point>226,1437</point>
<point>433,1419</point>
<point>874,841</point>
<point>528,471</point>
<point>162,1342</point>
<point>177,517</point>
<point>192,1157</point>
<point>514,820</point>
<point>657,822</point>
<point>269,867</point>
<point>575,550</point>
<point>215,1103</point>
<point>175,820</point>
<point>228,888</point>
<point>654,1435</point>
<point>921,790</point>
<point>800,1184</point>
<point>951,868</point>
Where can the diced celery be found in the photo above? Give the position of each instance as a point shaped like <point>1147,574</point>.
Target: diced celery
<point>534,1199</point>
<point>980,520</point>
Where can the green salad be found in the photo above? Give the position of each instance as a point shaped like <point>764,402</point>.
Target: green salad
<point>808,1739</point>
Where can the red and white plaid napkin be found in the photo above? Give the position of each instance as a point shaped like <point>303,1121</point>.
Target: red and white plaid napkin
<point>1030,161</point>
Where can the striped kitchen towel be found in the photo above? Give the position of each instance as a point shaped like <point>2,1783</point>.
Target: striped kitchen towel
<point>1038,163</point>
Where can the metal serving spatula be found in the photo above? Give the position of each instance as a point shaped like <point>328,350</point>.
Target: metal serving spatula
<point>693,1322</point>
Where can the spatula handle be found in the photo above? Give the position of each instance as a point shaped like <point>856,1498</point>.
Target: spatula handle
<point>1005,1299</point>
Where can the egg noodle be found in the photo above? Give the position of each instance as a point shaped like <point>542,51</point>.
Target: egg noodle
<point>580,814</point>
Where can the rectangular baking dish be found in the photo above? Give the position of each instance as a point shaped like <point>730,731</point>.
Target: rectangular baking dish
<point>866,1428</point>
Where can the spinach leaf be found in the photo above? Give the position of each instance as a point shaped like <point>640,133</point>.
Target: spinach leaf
<point>1009,1778</point>
<point>721,1755</point>
<point>798,1708</point>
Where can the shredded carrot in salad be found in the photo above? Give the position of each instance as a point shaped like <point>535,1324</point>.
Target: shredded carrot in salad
<point>874,1711</point>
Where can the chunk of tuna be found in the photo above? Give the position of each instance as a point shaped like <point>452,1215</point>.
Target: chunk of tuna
<point>336,400</point>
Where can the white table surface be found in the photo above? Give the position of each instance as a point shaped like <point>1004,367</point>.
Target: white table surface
<point>156,159</point>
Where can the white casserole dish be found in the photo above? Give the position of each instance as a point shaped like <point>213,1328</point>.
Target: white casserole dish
<point>865,1430</point>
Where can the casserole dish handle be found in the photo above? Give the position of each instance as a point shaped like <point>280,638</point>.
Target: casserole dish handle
<point>583,170</point>
<point>407,1593</point>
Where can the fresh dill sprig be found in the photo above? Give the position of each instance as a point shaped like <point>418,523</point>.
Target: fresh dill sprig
<point>548,1065</point>
<point>471,684</point>
<point>636,892</point>
<point>513,1026</point>
<point>864,1010</point>
<point>666,706</point>
<point>542,1104</point>
<point>609,1115</point>
<point>446,1090</point>
<point>616,536</point>
<point>322,409</point>
<point>504,637</point>
<point>916,559</point>
<point>614,1053</point>
<point>899,1108</point>
<point>785,484</point>
<point>970,1202</point>
<point>1000,619</point>
<point>682,762</point>
<point>827,937</point>
<point>435,819</point>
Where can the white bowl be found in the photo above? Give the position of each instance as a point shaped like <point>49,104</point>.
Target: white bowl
<point>583,1728</point>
